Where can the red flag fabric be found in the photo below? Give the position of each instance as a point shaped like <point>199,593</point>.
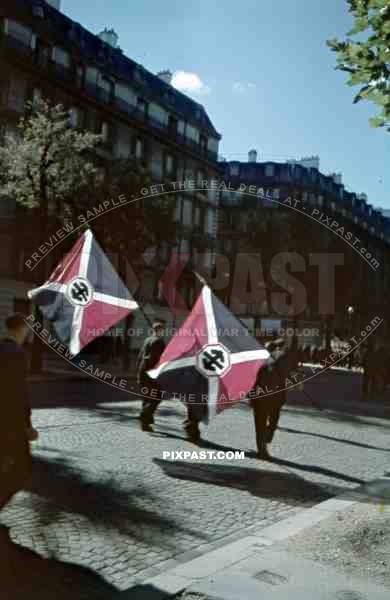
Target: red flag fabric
<point>212,361</point>
<point>84,296</point>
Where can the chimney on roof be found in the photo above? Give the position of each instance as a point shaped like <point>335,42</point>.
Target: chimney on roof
<point>252,156</point>
<point>337,178</point>
<point>110,37</point>
<point>310,162</point>
<point>55,3</point>
<point>166,76</point>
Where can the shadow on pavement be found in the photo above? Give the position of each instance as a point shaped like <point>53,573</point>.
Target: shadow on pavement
<point>333,415</point>
<point>143,592</point>
<point>76,394</point>
<point>376,491</point>
<point>278,461</point>
<point>259,482</point>
<point>316,469</point>
<point>57,488</point>
<point>24,574</point>
<point>333,439</point>
<point>125,413</point>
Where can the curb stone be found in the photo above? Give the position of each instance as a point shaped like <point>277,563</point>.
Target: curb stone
<point>184,576</point>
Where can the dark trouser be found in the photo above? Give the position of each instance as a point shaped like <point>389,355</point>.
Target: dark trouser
<point>373,384</point>
<point>152,390</point>
<point>15,471</point>
<point>266,412</point>
<point>366,385</point>
<point>191,423</point>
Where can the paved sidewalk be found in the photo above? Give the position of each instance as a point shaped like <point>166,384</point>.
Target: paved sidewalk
<point>355,541</point>
<point>291,561</point>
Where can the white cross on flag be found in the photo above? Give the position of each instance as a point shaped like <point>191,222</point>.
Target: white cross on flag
<point>84,296</point>
<point>212,360</point>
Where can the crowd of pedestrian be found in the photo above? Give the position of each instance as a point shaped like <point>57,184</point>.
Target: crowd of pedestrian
<point>312,354</point>
<point>350,359</point>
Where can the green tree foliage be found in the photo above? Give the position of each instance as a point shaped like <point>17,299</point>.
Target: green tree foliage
<point>365,55</point>
<point>47,164</point>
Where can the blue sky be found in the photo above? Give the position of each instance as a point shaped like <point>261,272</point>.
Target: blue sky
<point>263,72</point>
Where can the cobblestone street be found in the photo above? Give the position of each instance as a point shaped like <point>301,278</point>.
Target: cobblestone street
<point>103,497</point>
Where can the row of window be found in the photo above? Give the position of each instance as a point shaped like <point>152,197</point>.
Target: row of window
<point>234,199</point>
<point>234,170</point>
<point>105,87</point>
<point>188,213</point>
<point>312,176</point>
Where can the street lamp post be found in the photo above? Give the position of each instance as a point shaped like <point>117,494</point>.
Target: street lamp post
<point>350,312</point>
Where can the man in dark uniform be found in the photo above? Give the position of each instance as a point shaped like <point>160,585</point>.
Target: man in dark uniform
<point>148,358</point>
<point>16,430</point>
<point>191,423</point>
<point>266,408</point>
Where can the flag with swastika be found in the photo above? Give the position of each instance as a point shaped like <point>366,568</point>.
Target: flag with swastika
<point>84,296</point>
<point>212,360</point>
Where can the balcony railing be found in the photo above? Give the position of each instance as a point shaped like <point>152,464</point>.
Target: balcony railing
<point>98,93</point>
<point>10,42</point>
<point>62,72</point>
<point>124,106</point>
<point>139,115</point>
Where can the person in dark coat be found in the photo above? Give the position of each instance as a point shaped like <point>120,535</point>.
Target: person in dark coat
<point>16,431</point>
<point>148,358</point>
<point>371,365</point>
<point>272,380</point>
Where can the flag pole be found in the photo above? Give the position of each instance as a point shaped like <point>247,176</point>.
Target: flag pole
<point>144,314</point>
<point>200,278</point>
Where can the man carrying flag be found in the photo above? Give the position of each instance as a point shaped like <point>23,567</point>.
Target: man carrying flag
<point>211,362</point>
<point>272,380</point>
<point>148,357</point>
<point>84,296</point>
